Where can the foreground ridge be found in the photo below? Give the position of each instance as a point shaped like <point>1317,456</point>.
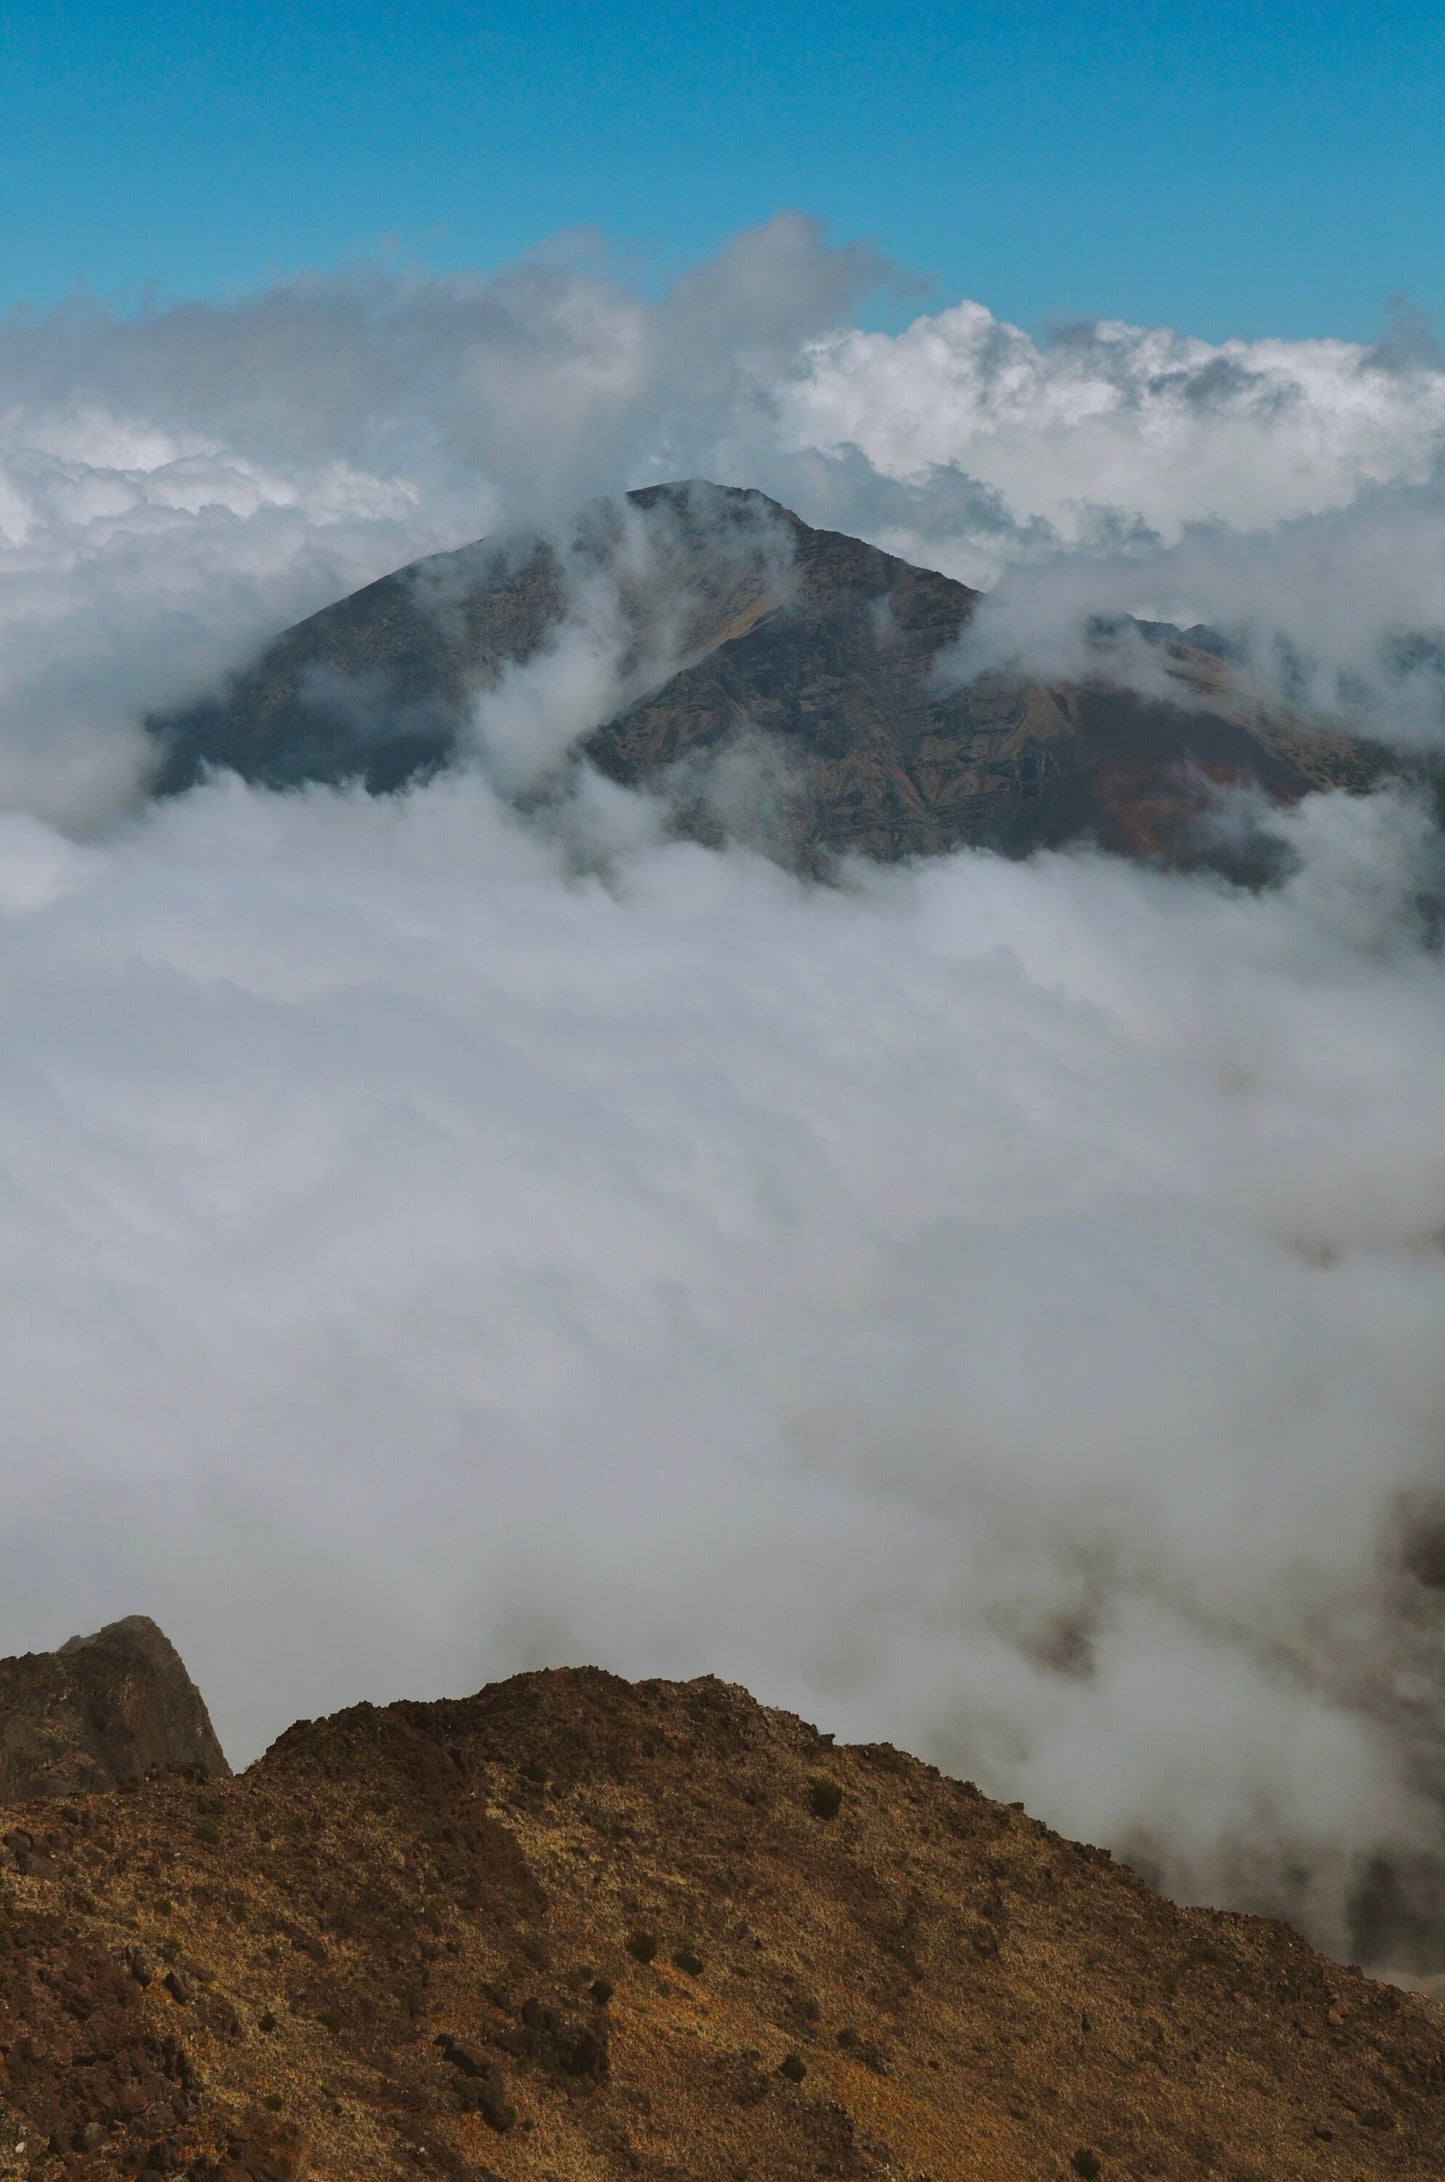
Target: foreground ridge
<point>575,1927</point>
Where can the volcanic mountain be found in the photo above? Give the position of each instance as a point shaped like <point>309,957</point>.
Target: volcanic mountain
<point>792,685</point>
<point>574,1929</point>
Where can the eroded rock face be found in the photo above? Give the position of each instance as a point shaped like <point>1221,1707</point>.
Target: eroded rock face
<point>103,1709</point>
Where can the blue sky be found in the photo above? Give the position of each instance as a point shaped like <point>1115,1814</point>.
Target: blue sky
<point>1230,168</point>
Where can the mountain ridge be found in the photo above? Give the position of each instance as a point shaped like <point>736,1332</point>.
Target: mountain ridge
<point>741,628</point>
<point>574,1928</point>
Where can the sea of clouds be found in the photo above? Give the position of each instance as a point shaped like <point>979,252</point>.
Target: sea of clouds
<point>995,1307</point>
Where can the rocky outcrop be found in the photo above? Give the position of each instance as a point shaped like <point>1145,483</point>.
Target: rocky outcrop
<point>792,686</point>
<point>103,1709</point>
<point>579,1927</point>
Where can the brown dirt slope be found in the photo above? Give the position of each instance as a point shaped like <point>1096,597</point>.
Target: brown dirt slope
<point>102,1709</point>
<point>574,1929</point>
<point>743,630</point>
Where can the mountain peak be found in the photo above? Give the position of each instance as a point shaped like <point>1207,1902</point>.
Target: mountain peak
<point>739,632</point>
<point>100,1710</point>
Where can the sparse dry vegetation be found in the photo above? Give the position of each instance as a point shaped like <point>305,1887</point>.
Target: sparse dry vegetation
<point>399,1958</point>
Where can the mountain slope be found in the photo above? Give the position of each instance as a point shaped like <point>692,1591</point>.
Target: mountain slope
<point>576,1928</point>
<point>805,658</point>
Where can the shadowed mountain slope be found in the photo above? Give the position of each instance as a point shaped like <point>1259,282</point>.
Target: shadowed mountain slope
<point>574,1928</point>
<point>750,648</point>
<point>103,1709</point>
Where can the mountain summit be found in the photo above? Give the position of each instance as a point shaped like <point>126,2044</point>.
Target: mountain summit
<point>706,643</point>
<point>103,1709</point>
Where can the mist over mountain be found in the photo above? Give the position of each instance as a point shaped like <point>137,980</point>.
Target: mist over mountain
<point>179,485</point>
<point>791,687</point>
<point>989,1302</point>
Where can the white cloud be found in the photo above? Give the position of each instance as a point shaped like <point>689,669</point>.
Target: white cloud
<point>176,486</point>
<point>136,563</point>
<point>994,1307</point>
<point>419,1261</point>
<point>1291,492</point>
<point>1146,424</point>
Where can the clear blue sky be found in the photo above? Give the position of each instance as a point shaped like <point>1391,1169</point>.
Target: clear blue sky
<point>1230,168</point>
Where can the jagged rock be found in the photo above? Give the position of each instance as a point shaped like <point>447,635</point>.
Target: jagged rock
<point>103,1709</point>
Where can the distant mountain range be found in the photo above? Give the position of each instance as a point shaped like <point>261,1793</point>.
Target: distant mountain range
<point>792,685</point>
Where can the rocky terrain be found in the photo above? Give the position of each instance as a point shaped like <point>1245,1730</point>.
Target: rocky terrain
<point>789,685</point>
<point>103,1709</point>
<point>574,1928</point>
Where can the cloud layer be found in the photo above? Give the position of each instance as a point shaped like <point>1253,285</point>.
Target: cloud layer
<point>1146,427</point>
<point>175,486</point>
<point>992,1307</point>
<point>995,1307</point>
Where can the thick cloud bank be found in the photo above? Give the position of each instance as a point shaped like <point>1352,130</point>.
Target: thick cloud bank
<point>995,1307</point>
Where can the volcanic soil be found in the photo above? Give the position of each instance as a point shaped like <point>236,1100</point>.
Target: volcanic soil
<point>575,1928</point>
